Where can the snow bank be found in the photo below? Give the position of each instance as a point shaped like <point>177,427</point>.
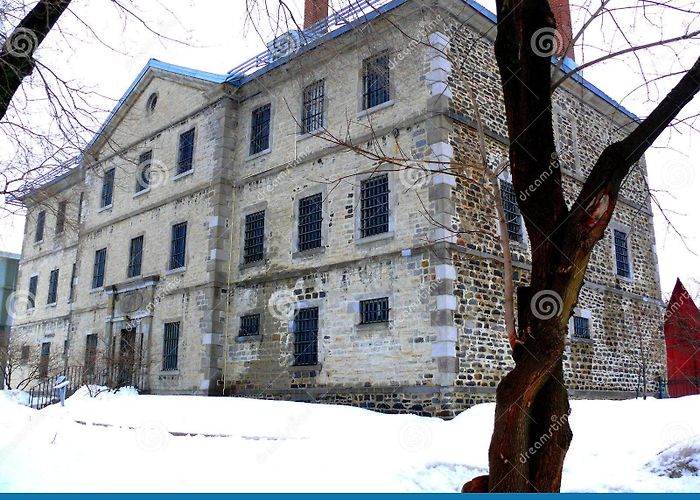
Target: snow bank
<point>171,442</point>
<point>15,396</point>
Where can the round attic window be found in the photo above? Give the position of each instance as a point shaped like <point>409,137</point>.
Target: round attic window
<point>152,102</point>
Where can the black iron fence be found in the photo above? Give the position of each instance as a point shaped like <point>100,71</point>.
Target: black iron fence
<point>43,393</point>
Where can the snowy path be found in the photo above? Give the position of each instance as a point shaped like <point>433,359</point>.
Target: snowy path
<point>184,443</point>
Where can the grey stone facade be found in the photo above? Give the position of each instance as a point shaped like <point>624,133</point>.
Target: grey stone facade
<point>439,264</point>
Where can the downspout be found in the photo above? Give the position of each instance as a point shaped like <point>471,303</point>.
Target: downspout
<point>228,296</point>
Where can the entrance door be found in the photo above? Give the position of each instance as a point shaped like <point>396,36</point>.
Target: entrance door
<point>127,357</point>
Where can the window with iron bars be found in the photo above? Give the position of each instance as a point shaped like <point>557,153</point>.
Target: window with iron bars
<point>312,116</point>
<point>40,222</point>
<point>375,81</point>
<point>171,338</point>
<point>31,300</point>
<point>135,256</point>
<point>254,237</point>
<point>582,327</point>
<point>107,188</point>
<point>374,206</point>
<point>91,353</point>
<point>25,353</point>
<point>250,325</point>
<point>310,221</point>
<point>622,258</point>
<point>260,129</point>
<point>53,287</point>
<point>98,271</point>
<point>143,180</point>
<point>306,337</point>
<point>44,359</point>
<point>374,311</point>
<point>185,152</point>
<point>178,243</point>
<point>511,210</point>
<point>61,217</point>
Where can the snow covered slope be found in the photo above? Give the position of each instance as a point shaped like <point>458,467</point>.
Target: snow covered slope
<point>127,442</point>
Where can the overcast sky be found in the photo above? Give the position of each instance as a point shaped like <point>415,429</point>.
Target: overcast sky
<point>216,40</point>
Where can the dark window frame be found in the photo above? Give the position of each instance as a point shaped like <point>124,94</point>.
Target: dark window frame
<point>376,81</point>
<point>135,257</point>
<point>61,217</point>
<point>306,322</point>
<point>143,176</point>
<point>511,211</point>
<point>310,222</point>
<point>178,246</point>
<point>44,357</point>
<point>52,296</point>
<point>623,266</point>
<point>581,327</point>
<point>374,311</point>
<point>250,325</point>
<point>91,353</point>
<point>254,237</point>
<point>185,155</point>
<point>98,268</point>
<point>374,206</point>
<point>40,226</point>
<point>171,345</point>
<point>313,107</point>
<point>33,285</point>
<point>107,196</point>
<point>260,123</point>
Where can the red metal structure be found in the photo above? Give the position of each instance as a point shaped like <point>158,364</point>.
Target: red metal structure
<point>682,331</point>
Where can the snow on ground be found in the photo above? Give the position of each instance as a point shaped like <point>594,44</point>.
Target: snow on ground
<point>126,442</point>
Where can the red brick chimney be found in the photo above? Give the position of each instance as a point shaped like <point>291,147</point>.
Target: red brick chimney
<point>562,15</point>
<point>314,11</point>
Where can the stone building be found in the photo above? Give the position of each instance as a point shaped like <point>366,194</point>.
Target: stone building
<point>271,250</point>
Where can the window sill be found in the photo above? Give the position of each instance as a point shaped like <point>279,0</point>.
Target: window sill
<point>309,253</point>
<point>258,154</point>
<point>183,174</point>
<point>380,325</point>
<point>378,107</point>
<point>97,290</point>
<point>374,238</point>
<point>305,370</point>
<point>309,135</point>
<point>105,208</point>
<point>142,192</point>
<point>51,305</point>
<point>249,265</point>
<point>623,279</point>
<point>581,340</point>
<point>241,339</point>
<point>177,270</point>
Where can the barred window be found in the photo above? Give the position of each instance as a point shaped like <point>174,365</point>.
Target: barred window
<point>135,256</point>
<point>312,116</point>
<point>61,217</point>
<point>306,337</point>
<point>512,212</point>
<point>375,81</point>
<point>44,359</point>
<point>24,356</point>
<point>143,179</point>
<point>622,258</point>
<point>98,270</point>
<point>80,207</point>
<point>186,152</point>
<point>107,188</point>
<point>90,353</point>
<point>260,129</point>
<point>250,325</point>
<point>171,338</point>
<point>71,285</point>
<point>254,237</point>
<point>31,300</point>
<point>374,197</point>
<point>178,243</point>
<point>310,220</point>
<point>53,287</point>
<point>374,311</point>
<point>40,222</point>
<point>582,327</point>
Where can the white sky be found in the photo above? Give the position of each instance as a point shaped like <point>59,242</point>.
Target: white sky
<point>216,41</point>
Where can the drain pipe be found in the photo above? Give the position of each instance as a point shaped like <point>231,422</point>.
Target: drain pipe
<point>228,295</point>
